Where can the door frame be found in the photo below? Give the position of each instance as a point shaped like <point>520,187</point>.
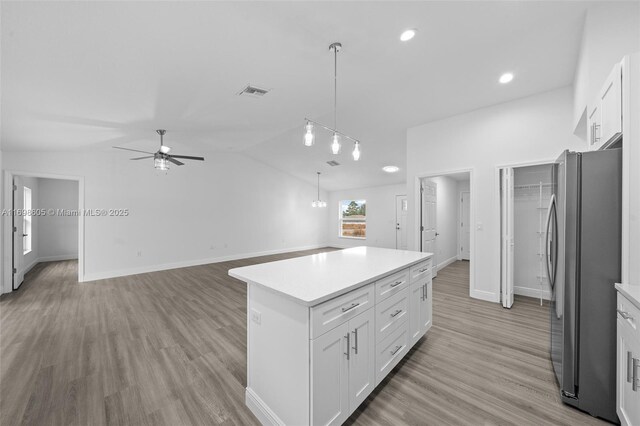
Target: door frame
<point>496,197</point>
<point>6,280</point>
<point>396,206</point>
<point>460,221</point>
<point>417,241</point>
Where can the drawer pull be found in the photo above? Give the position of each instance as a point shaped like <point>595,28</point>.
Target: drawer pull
<point>355,334</point>
<point>353,305</point>
<point>423,270</point>
<point>629,367</point>
<point>625,315</point>
<point>397,283</point>
<point>395,314</point>
<point>348,352</point>
<point>636,364</point>
<point>396,349</point>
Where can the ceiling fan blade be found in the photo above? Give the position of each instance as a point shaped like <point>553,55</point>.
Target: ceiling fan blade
<point>179,163</point>
<point>134,150</point>
<point>188,157</point>
<point>142,158</point>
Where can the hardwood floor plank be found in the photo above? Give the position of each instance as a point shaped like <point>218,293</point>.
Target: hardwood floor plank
<point>169,348</point>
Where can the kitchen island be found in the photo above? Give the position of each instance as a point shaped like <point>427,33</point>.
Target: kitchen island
<point>324,330</point>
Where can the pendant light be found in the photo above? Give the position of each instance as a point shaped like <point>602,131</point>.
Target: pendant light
<point>336,139</point>
<point>318,202</point>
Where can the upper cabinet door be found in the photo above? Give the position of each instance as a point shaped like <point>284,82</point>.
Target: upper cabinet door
<point>330,377</point>
<point>611,106</point>
<point>362,369</point>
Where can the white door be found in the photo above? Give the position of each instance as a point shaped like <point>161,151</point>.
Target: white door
<point>330,377</point>
<point>401,222</point>
<point>429,234</point>
<point>506,242</point>
<point>610,107</point>
<point>465,228</point>
<point>18,233</point>
<point>416,297</point>
<point>362,368</point>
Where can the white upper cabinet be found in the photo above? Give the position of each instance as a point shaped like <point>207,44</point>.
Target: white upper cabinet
<point>605,114</point>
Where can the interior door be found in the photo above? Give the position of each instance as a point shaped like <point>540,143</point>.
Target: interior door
<point>401,222</point>
<point>465,229</point>
<point>506,243</point>
<point>429,212</point>
<point>18,233</point>
<point>362,368</point>
<point>330,377</point>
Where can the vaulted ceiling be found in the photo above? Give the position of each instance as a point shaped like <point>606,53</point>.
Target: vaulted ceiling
<point>90,75</point>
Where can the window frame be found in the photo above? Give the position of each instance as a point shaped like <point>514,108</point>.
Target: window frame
<point>340,219</point>
<point>27,221</point>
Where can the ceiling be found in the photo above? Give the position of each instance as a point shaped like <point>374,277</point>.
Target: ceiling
<point>91,75</point>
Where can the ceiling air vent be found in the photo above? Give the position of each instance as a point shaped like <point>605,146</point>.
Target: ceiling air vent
<point>253,91</point>
<point>333,163</point>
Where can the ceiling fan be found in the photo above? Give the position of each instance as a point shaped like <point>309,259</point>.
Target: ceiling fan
<point>162,158</point>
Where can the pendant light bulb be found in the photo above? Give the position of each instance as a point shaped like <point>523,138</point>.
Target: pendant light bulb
<point>309,137</point>
<point>356,151</point>
<point>335,144</point>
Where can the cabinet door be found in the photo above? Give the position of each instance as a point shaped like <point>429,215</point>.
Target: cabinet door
<point>611,107</point>
<point>628,399</point>
<point>594,127</point>
<point>330,377</point>
<point>362,369</point>
<point>416,303</point>
<point>426,311</point>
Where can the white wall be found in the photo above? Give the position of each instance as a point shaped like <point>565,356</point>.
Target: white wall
<point>532,129</point>
<point>446,220</point>
<point>230,206</point>
<point>57,234</point>
<point>611,31</point>
<point>381,215</point>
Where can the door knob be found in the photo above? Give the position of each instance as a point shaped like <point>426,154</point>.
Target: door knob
<point>437,234</point>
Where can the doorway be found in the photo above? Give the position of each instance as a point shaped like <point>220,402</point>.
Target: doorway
<point>445,217</point>
<point>402,209</point>
<point>47,224</point>
<point>525,193</point>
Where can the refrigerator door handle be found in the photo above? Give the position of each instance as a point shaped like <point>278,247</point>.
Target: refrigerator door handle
<point>550,211</point>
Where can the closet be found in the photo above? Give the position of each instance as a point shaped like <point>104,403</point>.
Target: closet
<point>532,191</point>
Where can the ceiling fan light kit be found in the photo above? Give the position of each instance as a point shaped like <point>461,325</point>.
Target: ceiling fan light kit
<point>336,143</point>
<point>162,158</point>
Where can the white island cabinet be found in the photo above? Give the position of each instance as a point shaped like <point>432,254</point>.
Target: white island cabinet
<point>628,365</point>
<point>324,330</point>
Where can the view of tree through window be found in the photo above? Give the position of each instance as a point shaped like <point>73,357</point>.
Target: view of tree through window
<point>353,218</point>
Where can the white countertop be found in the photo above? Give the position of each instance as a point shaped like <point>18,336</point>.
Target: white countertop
<point>631,292</point>
<point>313,279</point>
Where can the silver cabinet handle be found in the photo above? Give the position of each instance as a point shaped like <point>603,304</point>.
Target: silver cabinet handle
<point>348,336</point>
<point>625,315</point>
<point>423,270</point>
<point>596,138</point>
<point>636,364</point>
<point>422,293</point>
<point>629,367</point>
<point>426,292</point>
<point>353,305</point>
<point>395,314</point>
<point>395,350</point>
<point>397,283</point>
<point>355,348</point>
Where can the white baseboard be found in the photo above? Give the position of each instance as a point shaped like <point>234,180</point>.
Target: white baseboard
<point>187,263</point>
<point>30,266</point>
<point>447,262</point>
<point>531,292</point>
<point>58,258</point>
<point>485,295</point>
<point>260,409</point>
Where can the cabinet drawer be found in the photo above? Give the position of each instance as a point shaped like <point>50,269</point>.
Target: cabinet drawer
<point>334,312</point>
<point>390,351</point>
<point>630,315</point>
<point>393,284</point>
<point>421,270</point>
<point>391,314</point>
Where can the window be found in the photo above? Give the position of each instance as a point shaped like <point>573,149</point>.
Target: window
<point>26,221</point>
<point>353,219</point>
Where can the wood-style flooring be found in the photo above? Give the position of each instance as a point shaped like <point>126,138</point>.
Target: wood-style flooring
<point>169,348</point>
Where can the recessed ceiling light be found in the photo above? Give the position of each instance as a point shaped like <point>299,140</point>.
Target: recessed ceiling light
<point>390,169</point>
<point>408,34</point>
<point>506,78</point>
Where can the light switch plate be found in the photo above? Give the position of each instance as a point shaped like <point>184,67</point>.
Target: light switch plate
<point>256,316</point>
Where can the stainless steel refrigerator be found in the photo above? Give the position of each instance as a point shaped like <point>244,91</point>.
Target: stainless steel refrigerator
<point>583,264</point>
